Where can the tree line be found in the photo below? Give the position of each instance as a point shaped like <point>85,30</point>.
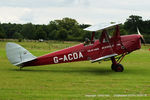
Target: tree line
<point>68,29</point>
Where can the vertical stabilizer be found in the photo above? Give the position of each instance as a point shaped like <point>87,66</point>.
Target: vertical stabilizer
<point>18,55</point>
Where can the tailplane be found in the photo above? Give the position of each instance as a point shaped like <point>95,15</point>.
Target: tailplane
<point>18,55</point>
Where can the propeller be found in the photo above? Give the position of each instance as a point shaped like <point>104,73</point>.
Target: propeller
<point>142,38</point>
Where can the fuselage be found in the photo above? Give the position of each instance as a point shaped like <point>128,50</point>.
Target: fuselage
<point>81,52</point>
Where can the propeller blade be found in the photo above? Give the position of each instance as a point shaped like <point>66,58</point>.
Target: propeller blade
<point>138,31</point>
<point>142,38</point>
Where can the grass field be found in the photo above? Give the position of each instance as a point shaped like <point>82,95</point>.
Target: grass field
<point>74,81</point>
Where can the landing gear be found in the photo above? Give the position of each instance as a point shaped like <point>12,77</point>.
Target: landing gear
<point>20,68</point>
<point>113,67</point>
<point>116,66</point>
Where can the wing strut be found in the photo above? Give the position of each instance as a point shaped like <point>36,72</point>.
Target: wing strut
<point>92,38</point>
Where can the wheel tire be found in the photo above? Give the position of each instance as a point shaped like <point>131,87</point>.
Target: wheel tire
<point>119,68</point>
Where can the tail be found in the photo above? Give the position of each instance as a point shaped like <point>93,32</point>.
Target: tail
<point>17,55</point>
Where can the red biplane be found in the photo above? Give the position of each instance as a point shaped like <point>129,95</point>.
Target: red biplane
<point>112,48</point>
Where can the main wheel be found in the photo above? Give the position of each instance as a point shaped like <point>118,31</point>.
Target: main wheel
<point>118,68</point>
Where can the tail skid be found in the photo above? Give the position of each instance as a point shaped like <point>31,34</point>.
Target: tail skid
<point>17,55</point>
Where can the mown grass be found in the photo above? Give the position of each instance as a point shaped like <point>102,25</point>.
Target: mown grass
<point>74,81</point>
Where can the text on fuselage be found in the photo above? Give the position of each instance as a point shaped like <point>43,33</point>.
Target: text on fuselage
<point>68,57</point>
<point>109,46</point>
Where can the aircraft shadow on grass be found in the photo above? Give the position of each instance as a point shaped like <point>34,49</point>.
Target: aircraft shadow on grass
<point>78,70</point>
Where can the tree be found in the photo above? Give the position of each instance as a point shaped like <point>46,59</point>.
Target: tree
<point>40,33</point>
<point>28,31</point>
<point>83,26</point>
<point>53,35</point>
<point>62,34</point>
<point>17,36</point>
<point>2,34</point>
<point>132,23</point>
<point>64,29</point>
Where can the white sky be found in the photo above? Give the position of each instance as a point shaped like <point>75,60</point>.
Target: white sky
<point>84,11</point>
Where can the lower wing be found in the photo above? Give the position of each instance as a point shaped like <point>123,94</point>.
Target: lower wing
<point>104,57</point>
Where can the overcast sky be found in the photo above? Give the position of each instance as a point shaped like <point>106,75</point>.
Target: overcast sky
<point>84,11</point>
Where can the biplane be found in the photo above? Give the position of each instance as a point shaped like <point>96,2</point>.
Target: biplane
<point>107,47</point>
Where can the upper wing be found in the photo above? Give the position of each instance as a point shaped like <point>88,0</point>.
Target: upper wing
<point>99,27</point>
<point>101,58</point>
